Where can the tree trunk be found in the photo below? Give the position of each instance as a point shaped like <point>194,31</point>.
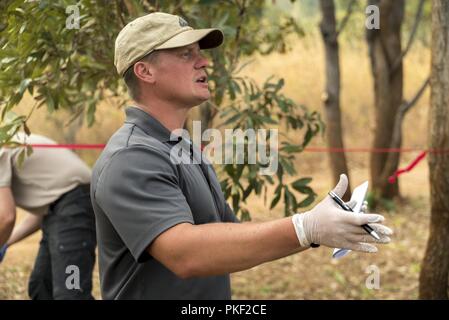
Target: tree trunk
<point>435,266</point>
<point>331,95</point>
<point>384,48</point>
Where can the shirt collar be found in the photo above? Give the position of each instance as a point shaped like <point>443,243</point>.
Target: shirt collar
<point>147,123</point>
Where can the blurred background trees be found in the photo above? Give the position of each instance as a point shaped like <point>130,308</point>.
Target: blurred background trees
<point>330,31</point>
<point>385,49</point>
<point>386,56</point>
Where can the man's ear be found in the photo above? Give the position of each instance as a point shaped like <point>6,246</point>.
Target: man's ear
<point>144,71</point>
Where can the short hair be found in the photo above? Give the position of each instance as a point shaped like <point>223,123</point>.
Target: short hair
<point>132,81</point>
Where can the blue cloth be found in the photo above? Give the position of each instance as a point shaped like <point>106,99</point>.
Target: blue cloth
<point>3,252</point>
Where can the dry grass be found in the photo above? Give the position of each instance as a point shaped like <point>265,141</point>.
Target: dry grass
<point>310,275</point>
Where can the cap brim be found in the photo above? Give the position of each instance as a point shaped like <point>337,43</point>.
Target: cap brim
<point>206,38</point>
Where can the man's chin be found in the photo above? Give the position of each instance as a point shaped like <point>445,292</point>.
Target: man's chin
<point>203,98</point>
<point>198,102</point>
<point>200,98</point>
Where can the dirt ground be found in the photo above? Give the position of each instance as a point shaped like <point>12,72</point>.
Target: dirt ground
<point>308,275</point>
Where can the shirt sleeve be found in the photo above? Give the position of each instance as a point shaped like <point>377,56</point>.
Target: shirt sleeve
<point>229,215</point>
<point>6,167</point>
<point>139,192</point>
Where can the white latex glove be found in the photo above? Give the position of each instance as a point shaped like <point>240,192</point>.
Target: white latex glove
<point>333,227</point>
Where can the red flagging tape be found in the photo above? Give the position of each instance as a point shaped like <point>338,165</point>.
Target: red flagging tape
<point>371,150</point>
<point>308,149</point>
<point>413,164</point>
<point>391,179</point>
<point>69,146</point>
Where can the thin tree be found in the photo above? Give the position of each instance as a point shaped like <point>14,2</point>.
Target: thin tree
<point>386,56</point>
<point>331,95</point>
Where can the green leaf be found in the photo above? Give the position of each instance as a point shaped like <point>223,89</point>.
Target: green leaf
<point>23,86</point>
<point>91,113</point>
<point>245,215</point>
<point>291,148</point>
<point>308,136</point>
<point>26,129</point>
<point>288,166</point>
<point>50,103</point>
<point>29,151</point>
<point>275,200</point>
<point>302,182</point>
<point>280,84</point>
<point>229,169</point>
<point>239,172</point>
<point>288,201</point>
<point>232,119</point>
<point>21,157</point>
<point>307,201</point>
<point>267,120</point>
<point>304,189</point>
<point>247,191</point>
<point>235,203</point>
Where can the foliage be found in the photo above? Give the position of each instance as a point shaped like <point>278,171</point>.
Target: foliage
<point>72,69</point>
<point>262,108</point>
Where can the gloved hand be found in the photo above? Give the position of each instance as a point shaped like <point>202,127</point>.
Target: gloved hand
<point>3,252</point>
<point>333,227</point>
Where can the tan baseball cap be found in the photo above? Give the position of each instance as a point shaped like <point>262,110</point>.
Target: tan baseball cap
<point>156,31</point>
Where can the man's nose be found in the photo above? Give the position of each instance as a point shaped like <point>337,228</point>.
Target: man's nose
<point>202,62</point>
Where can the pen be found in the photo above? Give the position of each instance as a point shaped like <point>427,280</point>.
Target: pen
<point>345,207</point>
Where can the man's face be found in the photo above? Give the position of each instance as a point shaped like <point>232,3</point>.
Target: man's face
<point>180,76</point>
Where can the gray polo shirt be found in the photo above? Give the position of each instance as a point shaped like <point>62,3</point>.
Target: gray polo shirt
<point>138,192</point>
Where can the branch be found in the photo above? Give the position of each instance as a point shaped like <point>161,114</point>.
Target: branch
<point>119,13</point>
<point>178,9</point>
<point>131,9</point>
<point>396,140</point>
<point>242,11</point>
<point>418,16</point>
<point>406,106</point>
<point>346,17</point>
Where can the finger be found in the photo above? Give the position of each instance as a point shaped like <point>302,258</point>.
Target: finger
<point>353,230</point>
<point>361,247</point>
<point>360,219</point>
<point>379,228</point>
<point>341,186</point>
<point>367,238</point>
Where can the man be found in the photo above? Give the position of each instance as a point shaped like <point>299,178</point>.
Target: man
<point>53,185</point>
<point>164,228</point>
